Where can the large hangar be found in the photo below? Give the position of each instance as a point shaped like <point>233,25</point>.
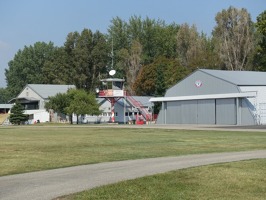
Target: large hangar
<point>216,97</point>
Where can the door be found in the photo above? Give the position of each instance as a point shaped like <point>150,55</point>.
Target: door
<point>226,111</point>
<point>206,111</point>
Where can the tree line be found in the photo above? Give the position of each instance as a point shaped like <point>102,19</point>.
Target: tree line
<point>150,54</point>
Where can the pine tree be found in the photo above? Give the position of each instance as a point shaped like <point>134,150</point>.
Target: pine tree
<point>17,116</point>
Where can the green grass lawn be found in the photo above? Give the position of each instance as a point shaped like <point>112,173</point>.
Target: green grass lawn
<point>33,148</point>
<point>244,180</point>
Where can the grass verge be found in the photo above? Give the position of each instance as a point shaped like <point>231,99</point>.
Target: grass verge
<point>26,149</point>
<point>230,181</point>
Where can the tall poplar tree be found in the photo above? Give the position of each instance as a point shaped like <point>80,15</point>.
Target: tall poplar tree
<point>234,34</point>
<point>260,54</point>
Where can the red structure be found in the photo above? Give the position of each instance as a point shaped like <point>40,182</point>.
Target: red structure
<point>112,89</point>
<point>140,107</point>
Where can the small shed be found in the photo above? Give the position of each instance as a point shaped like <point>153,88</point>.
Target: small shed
<point>216,97</point>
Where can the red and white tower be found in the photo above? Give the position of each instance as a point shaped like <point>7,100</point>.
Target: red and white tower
<point>112,89</point>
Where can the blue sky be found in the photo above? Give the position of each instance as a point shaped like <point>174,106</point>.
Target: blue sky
<point>24,22</point>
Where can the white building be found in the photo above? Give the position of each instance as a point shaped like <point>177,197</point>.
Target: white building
<point>34,96</point>
<point>126,110</point>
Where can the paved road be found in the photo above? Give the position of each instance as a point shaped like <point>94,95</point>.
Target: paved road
<point>53,183</point>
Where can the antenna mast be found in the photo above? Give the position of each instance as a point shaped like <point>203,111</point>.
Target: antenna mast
<point>112,53</point>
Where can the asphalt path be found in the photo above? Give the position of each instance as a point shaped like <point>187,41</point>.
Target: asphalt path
<point>50,184</point>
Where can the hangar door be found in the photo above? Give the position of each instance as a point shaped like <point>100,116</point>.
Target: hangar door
<point>191,112</point>
<point>226,111</point>
<point>206,111</point>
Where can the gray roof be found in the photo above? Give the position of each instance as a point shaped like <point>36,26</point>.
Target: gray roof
<point>100,100</point>
<point>113,79</point>
<point>6,105</point>
<point>240,78</point>
<point>46,90</point>
<point>144,100</point>
<point>23,99</point>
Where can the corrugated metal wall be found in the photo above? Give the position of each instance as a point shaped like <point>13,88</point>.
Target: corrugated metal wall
<point>174,114</point>
<point>189,112</point>
<point>246,114</point>
<point>214,111</point>
<point>209,111</point>
<point>257,105</point>
<point>206,111</point>
<point>209,85</point>
<point>226,111</point>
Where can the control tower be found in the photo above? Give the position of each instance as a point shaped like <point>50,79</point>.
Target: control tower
<point>112,89</point>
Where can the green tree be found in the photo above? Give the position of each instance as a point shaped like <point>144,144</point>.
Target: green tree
<point>118,41</point>
<point>234,34</point>
<point>155,78</point>
<point>56,70</point>
<point>77,102</point>
<point>259,60</point>
<point>139,42</point>
<point>188,44</point>
<point>99,60</point>
<point>17,115</point>
<point>195,49</point>
<point>207,55</point>
<point>133,65</point>
<point>160,86</point>
<point>86,58</point>
<point>145,82</point>
<point>158,39</point>
<point>82,103</point>
<point>5,96</point>
<point>82,58</point>
<point>27,65</point>
<point>58,103</point>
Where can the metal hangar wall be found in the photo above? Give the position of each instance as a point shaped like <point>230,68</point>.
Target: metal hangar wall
<point>210,97</point>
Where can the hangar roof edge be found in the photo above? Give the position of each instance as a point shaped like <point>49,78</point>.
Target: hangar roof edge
<point>209,96</point>
<point>240,78</point>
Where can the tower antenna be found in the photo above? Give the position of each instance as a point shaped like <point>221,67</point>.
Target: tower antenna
<point>112,53</point>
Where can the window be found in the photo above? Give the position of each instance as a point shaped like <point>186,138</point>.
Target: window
<point>117,85</point>
<point>31,106</point>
